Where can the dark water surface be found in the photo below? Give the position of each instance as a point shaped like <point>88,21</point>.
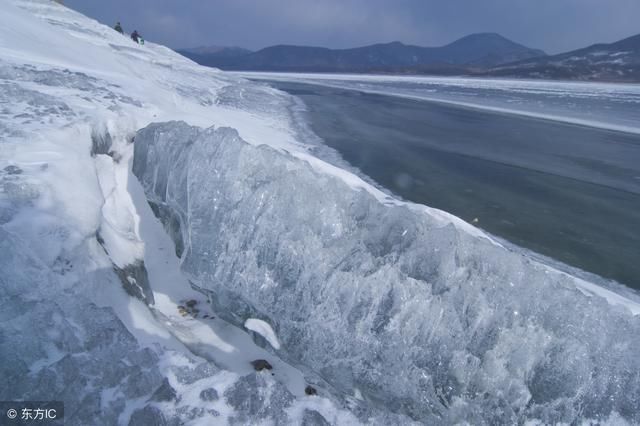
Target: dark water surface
<point>566,191</point>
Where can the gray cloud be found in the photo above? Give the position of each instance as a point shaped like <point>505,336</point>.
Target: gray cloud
<point>553,25</point>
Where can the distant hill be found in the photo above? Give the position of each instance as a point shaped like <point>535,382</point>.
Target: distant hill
<point>619,61</point>
<point>486,49</point>
<point>477,50</point>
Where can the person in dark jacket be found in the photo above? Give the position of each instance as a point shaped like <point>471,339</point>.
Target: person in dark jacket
<point>135,36</point>
<point>118,28</point>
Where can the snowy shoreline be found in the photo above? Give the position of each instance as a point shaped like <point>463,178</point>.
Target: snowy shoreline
<point>413,314</point>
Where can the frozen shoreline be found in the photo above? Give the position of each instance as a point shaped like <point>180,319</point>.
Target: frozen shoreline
<point>77,233</point>
<point>375,84</point>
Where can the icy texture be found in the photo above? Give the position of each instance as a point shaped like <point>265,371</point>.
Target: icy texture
<point>422,318</point>
<point>52,349</point>
<point>263,329</point>
<point>326,266</point>
<point>55,343</point>
<point>72,94</point>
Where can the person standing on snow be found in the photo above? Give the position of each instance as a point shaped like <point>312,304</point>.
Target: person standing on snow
<point>118,28</point>
<point>135,36</point>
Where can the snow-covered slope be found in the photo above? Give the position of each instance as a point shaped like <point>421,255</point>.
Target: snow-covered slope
<point>393,312</point>
<point>76,232</point>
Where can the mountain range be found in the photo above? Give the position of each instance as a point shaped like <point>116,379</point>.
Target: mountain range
<point>484,54</point>
<point>476,50</point>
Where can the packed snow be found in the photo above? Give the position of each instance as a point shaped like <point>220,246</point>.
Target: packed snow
<point>152,209</point>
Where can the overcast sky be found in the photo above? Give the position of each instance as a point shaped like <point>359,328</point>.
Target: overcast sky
<point>551,25</point>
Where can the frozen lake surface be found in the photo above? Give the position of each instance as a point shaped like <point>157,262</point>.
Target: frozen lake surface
<point>607,105</point>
